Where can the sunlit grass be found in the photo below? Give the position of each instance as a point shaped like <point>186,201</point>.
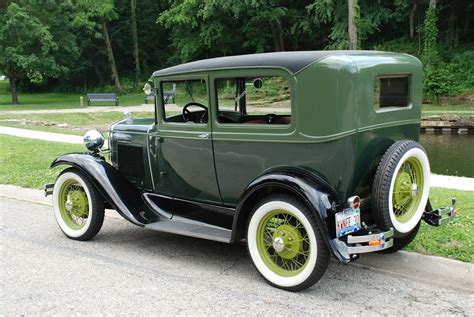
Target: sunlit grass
<point>25,162</point>
<point>54,100</point>
<point>454,240</point>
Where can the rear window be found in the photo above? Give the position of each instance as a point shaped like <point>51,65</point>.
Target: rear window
<point>391,92</point>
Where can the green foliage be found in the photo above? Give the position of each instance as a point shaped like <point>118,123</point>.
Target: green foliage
<point>430,38</point>
<point>454,77</point>
<point>176,31</point>
<point>401,45</point>
<point>27,47</point>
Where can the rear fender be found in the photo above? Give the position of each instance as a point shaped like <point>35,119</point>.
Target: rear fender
<point>315,193</point>
<point>119,192</point>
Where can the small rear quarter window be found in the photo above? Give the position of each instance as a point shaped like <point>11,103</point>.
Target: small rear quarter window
<point>392,92</point>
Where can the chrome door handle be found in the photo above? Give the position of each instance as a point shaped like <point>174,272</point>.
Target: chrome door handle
<point>204,136</point>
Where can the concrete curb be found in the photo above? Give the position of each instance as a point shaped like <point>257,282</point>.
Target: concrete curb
<point>434,270</point>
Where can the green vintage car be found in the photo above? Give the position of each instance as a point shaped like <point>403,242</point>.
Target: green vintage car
<point>299,155</point>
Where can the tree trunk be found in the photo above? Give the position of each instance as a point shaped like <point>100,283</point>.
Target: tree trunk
<point>412,18</point>
<point>110,53</point>
<point>280,37</point>
<point>433,4</point>
<point>133,5</point>
<point>276,38</point>
<point>352,29</point>
<point>452,26</point>
<point>12,78</point>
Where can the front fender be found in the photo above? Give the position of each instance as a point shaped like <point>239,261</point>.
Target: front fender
<point>316,194</point>
<point>120,193</point>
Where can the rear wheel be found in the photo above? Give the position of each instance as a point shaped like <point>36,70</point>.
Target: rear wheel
<point>78,206</point>
<point>401,187</point>
<point>286,244</point>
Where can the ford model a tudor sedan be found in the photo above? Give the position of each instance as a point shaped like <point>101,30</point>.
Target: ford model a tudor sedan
<point>299,154</point>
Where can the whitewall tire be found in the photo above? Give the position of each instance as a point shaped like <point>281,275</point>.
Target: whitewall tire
<point>401,187</point>
<point>78,206</point>
<point>285,243</point>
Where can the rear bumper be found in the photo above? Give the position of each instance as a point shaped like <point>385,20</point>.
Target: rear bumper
<point>371,242</point>
<point>373,239</point>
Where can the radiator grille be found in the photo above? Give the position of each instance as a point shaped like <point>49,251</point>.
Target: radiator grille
<point>130,161</point>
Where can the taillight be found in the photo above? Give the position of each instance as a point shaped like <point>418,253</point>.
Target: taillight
<point>354,202</point>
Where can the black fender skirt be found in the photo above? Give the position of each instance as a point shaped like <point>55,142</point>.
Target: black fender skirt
<point>314,191</point>
<point>119,192</point>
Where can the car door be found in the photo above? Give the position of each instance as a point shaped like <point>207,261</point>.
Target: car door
<point>184,145</point>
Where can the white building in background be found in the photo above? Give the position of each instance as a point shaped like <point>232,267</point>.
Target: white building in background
<point>3,77</point>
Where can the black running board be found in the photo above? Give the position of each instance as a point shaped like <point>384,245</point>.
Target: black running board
<point>191,228</point>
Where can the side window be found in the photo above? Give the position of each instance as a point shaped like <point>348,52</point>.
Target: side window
<point>185,101</point>
<point>254,100</point>
<point>391,92</point>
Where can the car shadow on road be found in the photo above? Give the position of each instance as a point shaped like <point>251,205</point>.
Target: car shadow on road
<point>210,259</point>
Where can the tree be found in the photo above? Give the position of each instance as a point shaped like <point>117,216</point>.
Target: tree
<point>412,18</point>
<point>26,48</point>
<point>352,28</point>
<point>133,7</point>
<point>94,15</point>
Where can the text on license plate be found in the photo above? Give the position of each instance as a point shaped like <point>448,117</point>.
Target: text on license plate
<point>347,221</point>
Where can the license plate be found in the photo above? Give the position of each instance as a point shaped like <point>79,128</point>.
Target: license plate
<point>347,221</point>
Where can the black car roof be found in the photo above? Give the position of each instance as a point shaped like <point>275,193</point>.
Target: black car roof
<point>293,61</point>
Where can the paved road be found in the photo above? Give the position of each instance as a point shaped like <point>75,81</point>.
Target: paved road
<point>131,270</point>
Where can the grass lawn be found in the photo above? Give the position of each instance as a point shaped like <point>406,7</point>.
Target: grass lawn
<point>439,109</point>
<point>52,100</point>
<point>25,162</point>
<point>77,123</point>
<point>455,240</point>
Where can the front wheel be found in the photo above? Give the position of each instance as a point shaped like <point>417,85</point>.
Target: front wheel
<point>286,244</point>
<point>78,206</point>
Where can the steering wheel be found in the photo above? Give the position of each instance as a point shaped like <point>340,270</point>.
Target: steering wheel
<point>193,116</point>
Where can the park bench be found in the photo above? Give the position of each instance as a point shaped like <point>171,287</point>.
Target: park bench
<point>168,96</point>
<point>109,97</point>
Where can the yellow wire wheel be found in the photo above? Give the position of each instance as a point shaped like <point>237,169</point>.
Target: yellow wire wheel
<point>78,206</point>
<point>401,187</point>
<point>285,243</point>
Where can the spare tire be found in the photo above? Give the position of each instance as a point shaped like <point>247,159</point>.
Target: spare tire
<point>401,187</point>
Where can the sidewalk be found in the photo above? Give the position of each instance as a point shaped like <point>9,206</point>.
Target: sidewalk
<point>45,136</point>
<point>443,181</point>
<point>140,108</point>
<point>424,268</point>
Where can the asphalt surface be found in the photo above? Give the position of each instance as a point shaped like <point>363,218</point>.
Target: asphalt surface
<point>129,270</point>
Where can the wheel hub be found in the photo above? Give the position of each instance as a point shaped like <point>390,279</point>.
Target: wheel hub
<point>414,190</point>
<point>68,205</point>
<point>76,203</point>
<point>287,241</point>
<point>278,244</point>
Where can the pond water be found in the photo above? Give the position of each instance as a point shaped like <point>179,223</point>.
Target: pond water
<point>450,154</point>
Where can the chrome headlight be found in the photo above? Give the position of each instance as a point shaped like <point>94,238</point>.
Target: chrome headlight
<point>93,140</point>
